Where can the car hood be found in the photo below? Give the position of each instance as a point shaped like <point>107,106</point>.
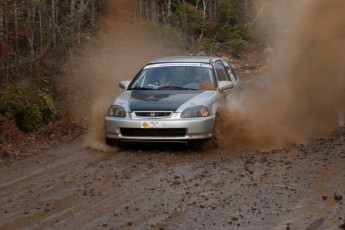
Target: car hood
<point>159,100</point>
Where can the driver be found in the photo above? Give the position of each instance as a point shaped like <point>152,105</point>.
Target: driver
<point>161,79</point>
<point>202,81</point>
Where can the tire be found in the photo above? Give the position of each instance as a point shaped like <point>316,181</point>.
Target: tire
<point>211,143</point>
<point>112,142</point>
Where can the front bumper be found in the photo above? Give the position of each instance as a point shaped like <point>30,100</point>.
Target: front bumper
<point>158,129</point>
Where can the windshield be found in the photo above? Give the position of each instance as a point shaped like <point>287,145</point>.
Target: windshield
<point>179,76</point>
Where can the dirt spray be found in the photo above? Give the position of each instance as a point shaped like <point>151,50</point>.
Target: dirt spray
<point>305,97</point>
<point>119,50</point>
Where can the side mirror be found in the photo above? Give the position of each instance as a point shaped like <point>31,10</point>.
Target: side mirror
<point>224,85</point>
<point>124,84</point>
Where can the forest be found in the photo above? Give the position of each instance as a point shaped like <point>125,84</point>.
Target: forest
<point>39,37</point>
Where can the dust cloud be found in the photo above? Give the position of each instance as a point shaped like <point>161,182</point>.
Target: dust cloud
<point>118,51</point>
<point>305,97</point>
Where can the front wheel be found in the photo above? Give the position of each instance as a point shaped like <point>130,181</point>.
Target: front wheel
<point>215,141</point>
<point>208,144</point>
<point>112,142</point>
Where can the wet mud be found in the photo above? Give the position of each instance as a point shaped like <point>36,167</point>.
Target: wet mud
<point>177,187</point>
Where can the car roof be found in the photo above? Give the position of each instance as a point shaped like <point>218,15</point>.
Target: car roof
<point>192,59</point>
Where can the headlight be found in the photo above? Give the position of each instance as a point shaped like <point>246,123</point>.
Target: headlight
<point>116,111</point>
<point>196,111</point>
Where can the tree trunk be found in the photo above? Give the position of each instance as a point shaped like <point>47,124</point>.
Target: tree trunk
<point>53,7</point>
<point>147,11</point>
<point>16,29</point>
<point>93,13</point>
<point>168,5</point>
<point>140,10</point>
<point>72,9</point>
<point>204,4</point>
<point>1,23</point>
<point>31,35</point>
<point>40,24</point>
<point>154,12</point>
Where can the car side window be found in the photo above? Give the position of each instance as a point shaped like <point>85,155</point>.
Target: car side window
<point>234,74</point>
<point>222,73</point>
<point>231,71</point>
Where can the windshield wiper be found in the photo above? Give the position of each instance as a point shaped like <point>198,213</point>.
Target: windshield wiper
<point>140,88</point>
<point>173,87</point>
<point>189,88</point>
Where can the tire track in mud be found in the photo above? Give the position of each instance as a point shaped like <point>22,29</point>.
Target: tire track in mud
<point>65,173</point>
<point>164,188</point>
<point>44,184</point>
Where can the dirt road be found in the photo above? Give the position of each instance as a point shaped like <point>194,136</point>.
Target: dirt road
<point>174,187</point>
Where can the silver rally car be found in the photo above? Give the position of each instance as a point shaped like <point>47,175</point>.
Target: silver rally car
<point>171,99</point>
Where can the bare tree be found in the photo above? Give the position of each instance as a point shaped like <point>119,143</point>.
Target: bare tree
<point>53,20</point>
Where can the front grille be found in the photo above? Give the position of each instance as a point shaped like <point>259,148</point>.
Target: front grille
<point>135,132</point>
<point>153,114</point>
